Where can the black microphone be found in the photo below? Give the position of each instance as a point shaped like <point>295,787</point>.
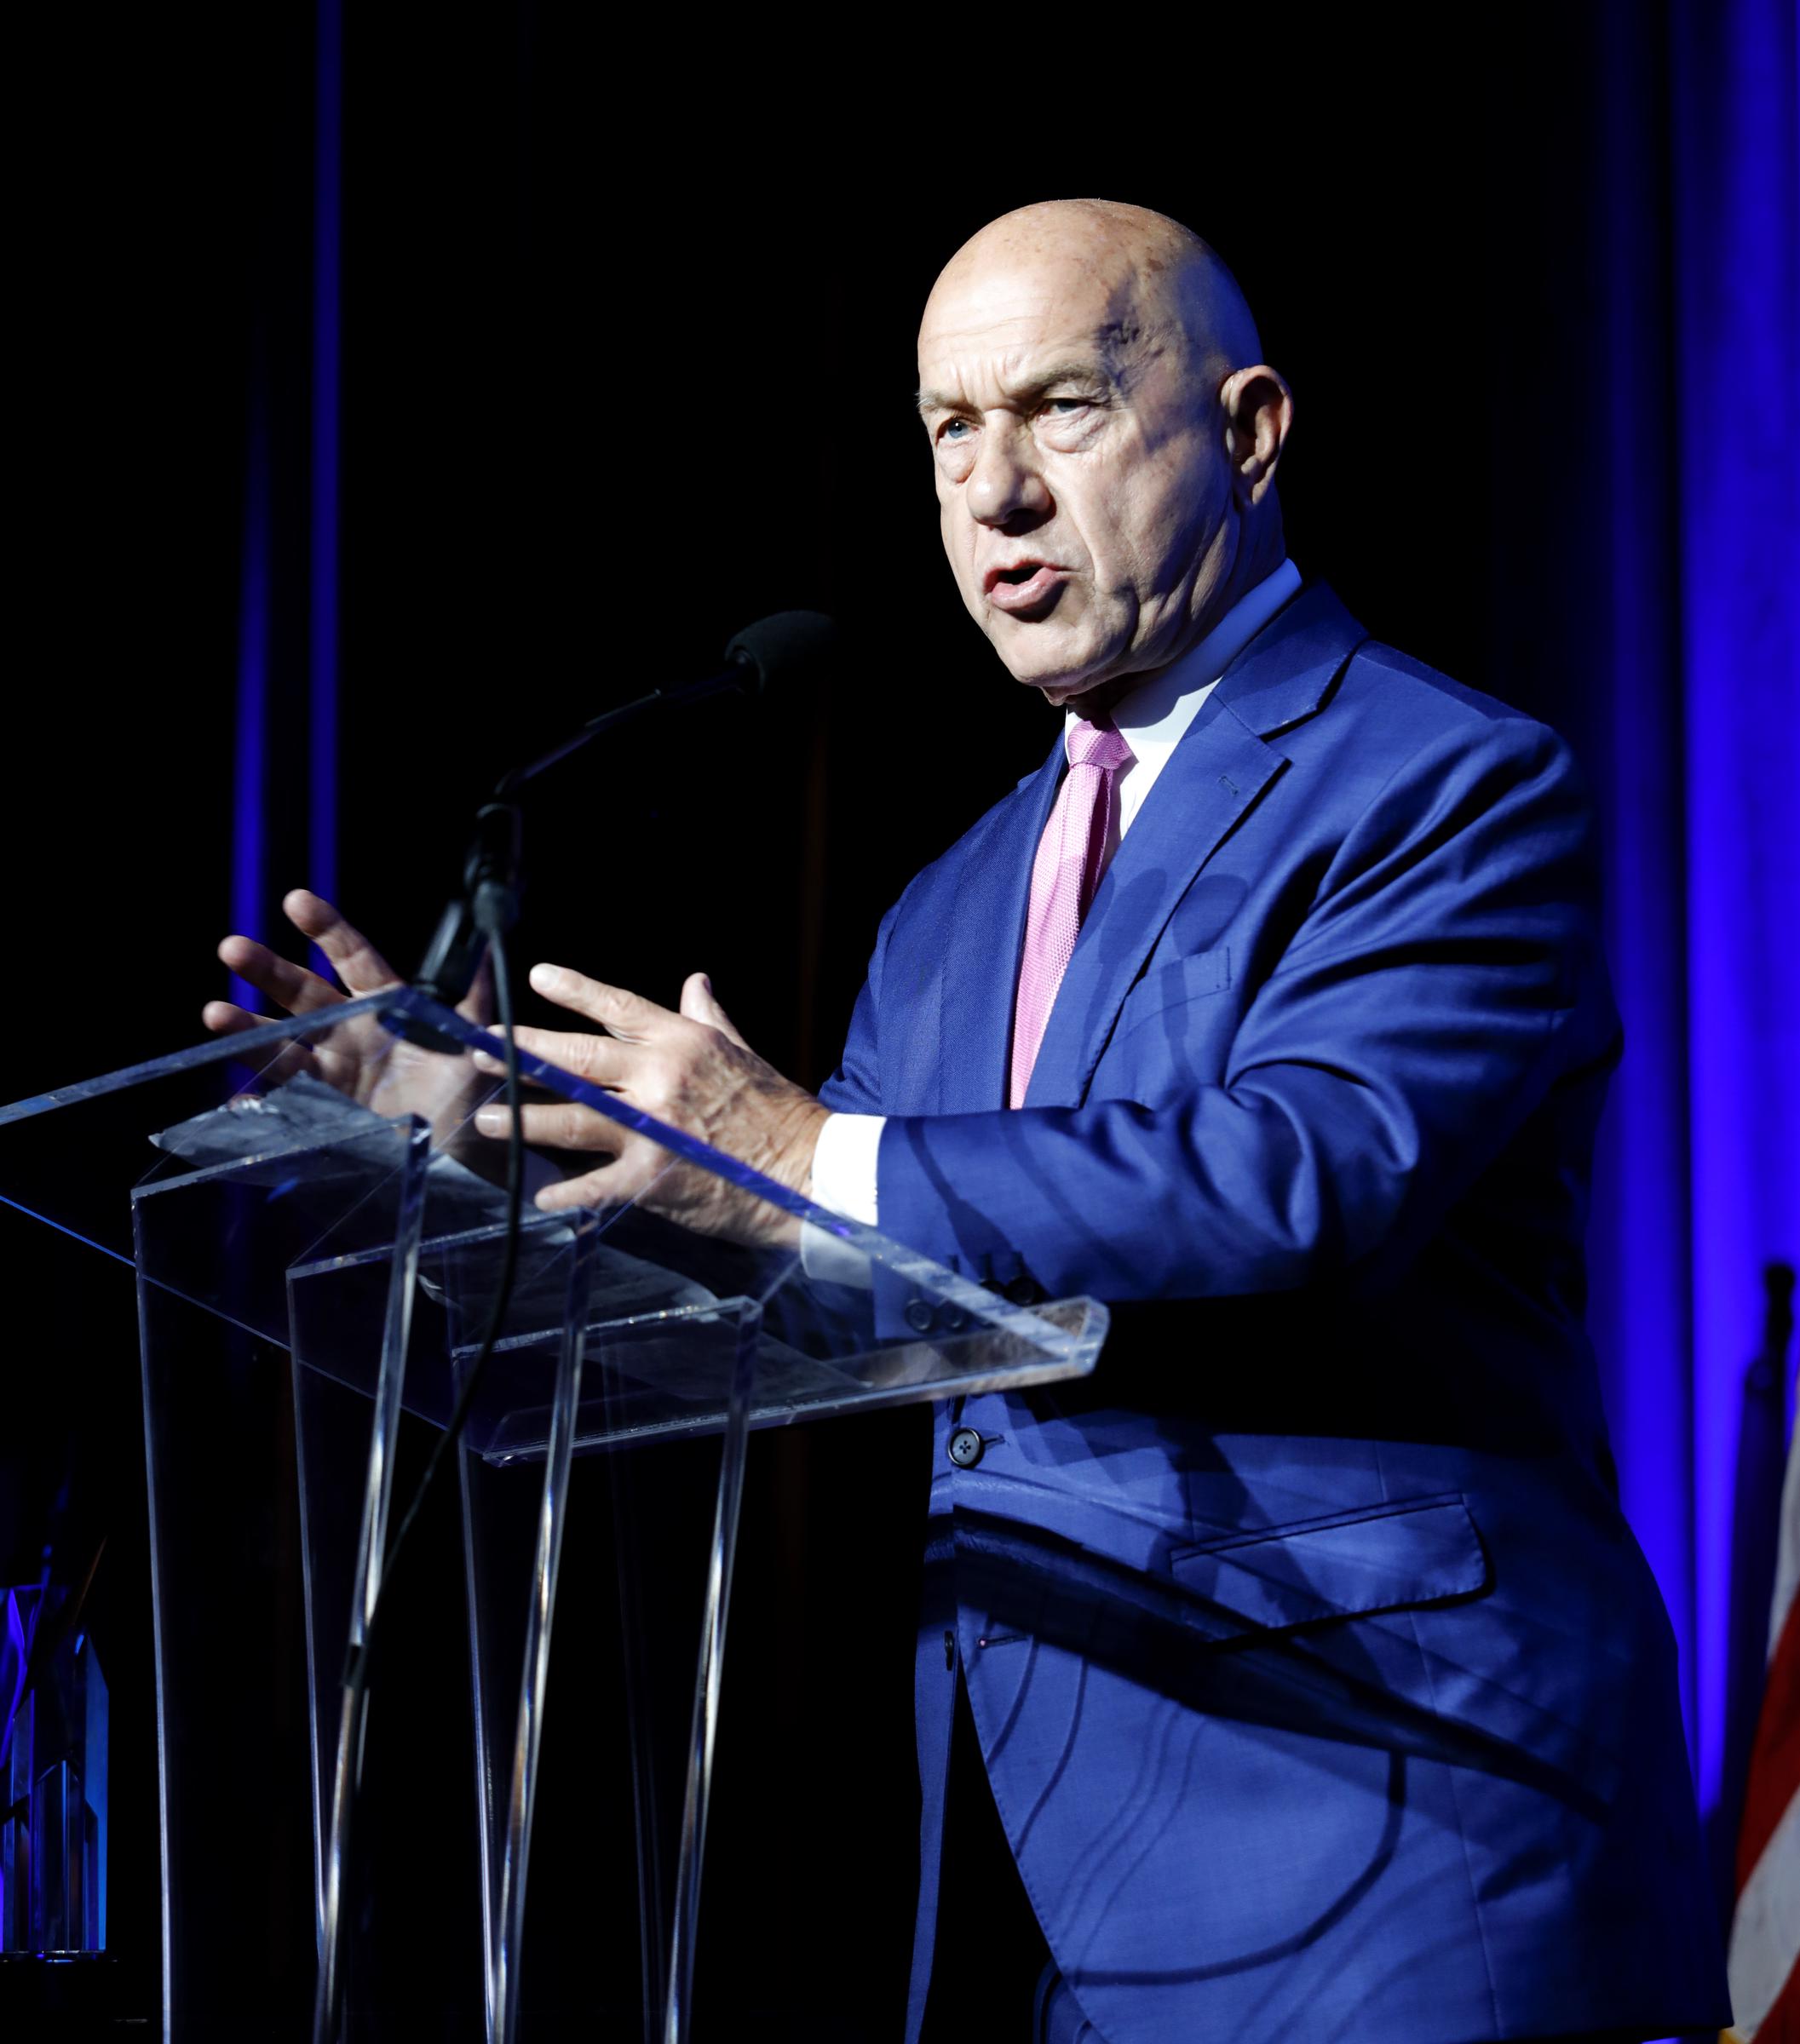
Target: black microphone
<point>786,645</point>
<point>789,643</point>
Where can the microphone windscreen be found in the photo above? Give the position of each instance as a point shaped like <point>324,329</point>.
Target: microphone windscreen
<point>785,643</point>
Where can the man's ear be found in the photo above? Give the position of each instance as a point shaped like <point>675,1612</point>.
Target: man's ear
<point>1259,409</point>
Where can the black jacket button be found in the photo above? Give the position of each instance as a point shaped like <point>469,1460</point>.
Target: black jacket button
<point>965,1447</point>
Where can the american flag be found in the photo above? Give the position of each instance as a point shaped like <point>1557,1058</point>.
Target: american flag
<point>1765,1925</point>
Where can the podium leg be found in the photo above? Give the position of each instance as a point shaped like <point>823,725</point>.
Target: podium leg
<point>652,1920</point>
<point>507,1928</point>
<point>677,2008</point>
<point>371,1548</point>
<point>483,1713</point>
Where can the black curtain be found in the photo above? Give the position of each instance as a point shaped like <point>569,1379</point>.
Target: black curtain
<point>626,346</point>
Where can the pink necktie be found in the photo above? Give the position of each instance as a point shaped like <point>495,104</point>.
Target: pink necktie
<point>1067,871</point>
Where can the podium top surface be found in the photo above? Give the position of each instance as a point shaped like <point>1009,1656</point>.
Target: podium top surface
<point>262,1178</point>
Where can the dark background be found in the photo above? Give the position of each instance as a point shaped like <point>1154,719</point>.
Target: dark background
<point>627,334</point>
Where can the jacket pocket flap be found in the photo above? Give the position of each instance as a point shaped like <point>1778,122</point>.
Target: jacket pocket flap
<point>1413,1553</point>
<point>1175,984</point>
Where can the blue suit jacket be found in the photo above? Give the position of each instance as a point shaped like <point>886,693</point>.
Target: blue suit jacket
<point>1322,1688</point>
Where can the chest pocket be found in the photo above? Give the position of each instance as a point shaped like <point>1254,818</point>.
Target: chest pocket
<point>1165,989</point>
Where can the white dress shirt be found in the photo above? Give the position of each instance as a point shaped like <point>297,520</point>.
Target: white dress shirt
<point>1153,720</point>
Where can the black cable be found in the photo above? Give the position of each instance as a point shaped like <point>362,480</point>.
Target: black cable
<point>328,2007</point>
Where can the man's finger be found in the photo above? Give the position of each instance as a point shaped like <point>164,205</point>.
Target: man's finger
<point>289,986</point>
<point>356,961</point>
<point>591,1189</point>
<point>626,1014</point>
<point>554,1125</point>
<point>495,1068</point>
<point>602,1060</point>
<point>226,1019</point>
<point>700,1004</point>
<point>631,1175</point>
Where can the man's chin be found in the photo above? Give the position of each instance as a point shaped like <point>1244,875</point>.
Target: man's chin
<point>1061,685</point>
<point>1057,672</point>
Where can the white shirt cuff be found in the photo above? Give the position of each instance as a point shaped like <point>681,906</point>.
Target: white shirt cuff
<point>843,1179</point>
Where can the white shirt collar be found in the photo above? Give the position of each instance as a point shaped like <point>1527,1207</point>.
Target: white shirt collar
<point>1153,718</point>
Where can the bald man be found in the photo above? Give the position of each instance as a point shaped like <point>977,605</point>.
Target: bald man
<point>1299,1677</point>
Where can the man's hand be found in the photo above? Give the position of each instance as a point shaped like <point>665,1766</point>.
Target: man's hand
<point>691,1070</point>
<point>359,1057</point>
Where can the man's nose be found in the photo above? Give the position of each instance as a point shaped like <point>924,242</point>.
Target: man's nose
<point>1005,481</point>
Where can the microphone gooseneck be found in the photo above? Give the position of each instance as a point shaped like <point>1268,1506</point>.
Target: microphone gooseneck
<point>782,647</point>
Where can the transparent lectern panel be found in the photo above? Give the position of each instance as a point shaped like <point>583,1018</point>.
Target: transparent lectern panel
<point>278,1168</point>
<point>318,1267</point>
<point>625,1334</point>
<point>661,1341</point>
<point>73,1156</point>
<point>210,1173</point>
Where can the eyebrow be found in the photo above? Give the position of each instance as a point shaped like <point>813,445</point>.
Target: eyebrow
<point>1074,371</point>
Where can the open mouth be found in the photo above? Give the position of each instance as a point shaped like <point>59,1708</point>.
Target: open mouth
<point>1023,586</point>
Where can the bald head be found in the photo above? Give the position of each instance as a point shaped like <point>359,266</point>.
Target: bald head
<point>1155,276</point>
<point>1105,435</point>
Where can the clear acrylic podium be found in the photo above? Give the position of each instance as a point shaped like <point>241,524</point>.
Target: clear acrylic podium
<point>314,1267</point>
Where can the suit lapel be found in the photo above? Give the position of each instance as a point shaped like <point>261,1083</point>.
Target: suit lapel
<point>1288,671</point>
<point>1211,781</point>
<point>982,947</point>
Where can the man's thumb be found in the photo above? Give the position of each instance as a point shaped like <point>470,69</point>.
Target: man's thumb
<point>700,1004</point>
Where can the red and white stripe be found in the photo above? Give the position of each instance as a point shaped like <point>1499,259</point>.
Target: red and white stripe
<point>1765,1924</point>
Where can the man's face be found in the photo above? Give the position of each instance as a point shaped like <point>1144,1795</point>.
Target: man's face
<point>1082,477</point>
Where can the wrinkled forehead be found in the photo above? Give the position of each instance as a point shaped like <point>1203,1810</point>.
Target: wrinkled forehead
<point>997,316</point>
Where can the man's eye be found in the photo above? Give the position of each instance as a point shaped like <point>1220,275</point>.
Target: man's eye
<point>1063,406</point>
<point>952,429</point>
